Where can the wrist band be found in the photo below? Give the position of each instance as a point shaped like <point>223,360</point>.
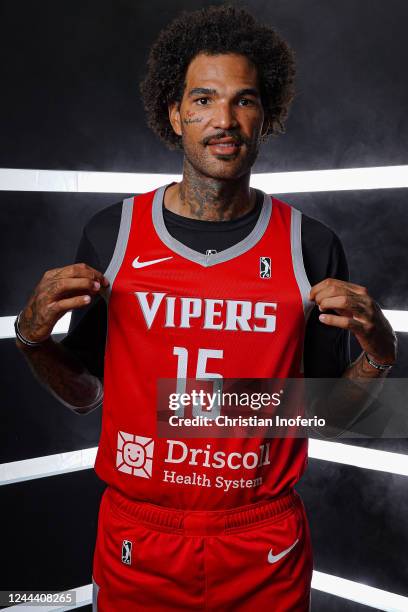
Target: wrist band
<point>378,366</point>
<point>20,336</point>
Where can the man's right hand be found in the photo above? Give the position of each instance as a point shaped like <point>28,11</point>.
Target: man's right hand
<point>59,290</point>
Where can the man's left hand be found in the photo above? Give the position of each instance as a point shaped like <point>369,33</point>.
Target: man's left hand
<point>358,312</point>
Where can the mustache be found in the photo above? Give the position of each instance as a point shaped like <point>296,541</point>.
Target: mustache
<point>237,138</point>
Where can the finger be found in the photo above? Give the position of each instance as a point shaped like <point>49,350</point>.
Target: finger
<point>331,283</point>
<point>60,307</point>
<point>69,287</point>
<point>328,282</point>
<point>350,304</point>
<point>342,322</point>
<point>351,298</point>
<point>81,270</point>
<point>330,292</point>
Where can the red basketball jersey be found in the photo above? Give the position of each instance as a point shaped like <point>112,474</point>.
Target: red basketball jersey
<point>174,312</point>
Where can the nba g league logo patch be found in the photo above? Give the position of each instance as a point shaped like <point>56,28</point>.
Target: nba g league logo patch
<point>265,267</point>
<point>126,552</point>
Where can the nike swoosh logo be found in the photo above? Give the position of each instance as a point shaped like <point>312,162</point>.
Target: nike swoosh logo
<point>142,264</point>
<point>274,558</point>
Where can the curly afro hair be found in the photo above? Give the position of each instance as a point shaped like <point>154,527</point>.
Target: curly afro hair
<point>216,30</point>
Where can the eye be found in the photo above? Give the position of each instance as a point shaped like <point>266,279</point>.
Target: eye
<point>201,101</point>
<point>245,102</point>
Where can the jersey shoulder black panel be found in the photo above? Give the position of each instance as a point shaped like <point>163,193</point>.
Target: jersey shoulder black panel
<point>101,232</point>
<point>326,349</point>
<point>323,252</point>
<point>87,331</point>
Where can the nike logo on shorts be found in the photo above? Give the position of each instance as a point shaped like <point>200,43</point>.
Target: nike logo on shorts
<point>275,558</point>
<point>142,264</point>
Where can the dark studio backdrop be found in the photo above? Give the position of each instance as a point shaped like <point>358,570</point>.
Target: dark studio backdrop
<point>69,101</point>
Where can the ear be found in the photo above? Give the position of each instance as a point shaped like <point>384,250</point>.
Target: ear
<point>174,116</point>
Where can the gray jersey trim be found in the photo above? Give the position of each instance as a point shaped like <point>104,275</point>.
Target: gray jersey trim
<point>116,261</point>
<point>299,266</point>
<point>200,258</point>
<point>120,246</point>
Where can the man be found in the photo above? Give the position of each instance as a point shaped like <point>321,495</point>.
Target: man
<point>206,277</point>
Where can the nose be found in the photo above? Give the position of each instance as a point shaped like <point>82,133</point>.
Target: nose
<point>224,116</point>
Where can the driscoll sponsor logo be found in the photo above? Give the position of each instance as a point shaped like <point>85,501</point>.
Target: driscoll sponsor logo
<point>178,452</point>
<point>134,454</point>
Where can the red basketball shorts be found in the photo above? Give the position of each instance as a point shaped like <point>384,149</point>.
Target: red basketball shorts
<point>256,557</point>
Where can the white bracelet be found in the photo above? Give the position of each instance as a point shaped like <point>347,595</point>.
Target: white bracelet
<point>20,336</point>
<point>378,366</point>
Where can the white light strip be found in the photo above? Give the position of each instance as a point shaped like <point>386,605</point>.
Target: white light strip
<point>397,318</point>
<point>359,593</point>
<point>7,326</point>
<point>357,456</point>
<point>333,585</point>
<point>49,465</point>
<point>63,463</point>
<point>73,181</point>
<point>381,177</point>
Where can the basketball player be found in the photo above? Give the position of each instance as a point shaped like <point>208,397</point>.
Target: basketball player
<point>203,277</point>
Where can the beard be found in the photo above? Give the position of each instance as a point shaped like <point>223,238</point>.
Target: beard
<point>222,167</point>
